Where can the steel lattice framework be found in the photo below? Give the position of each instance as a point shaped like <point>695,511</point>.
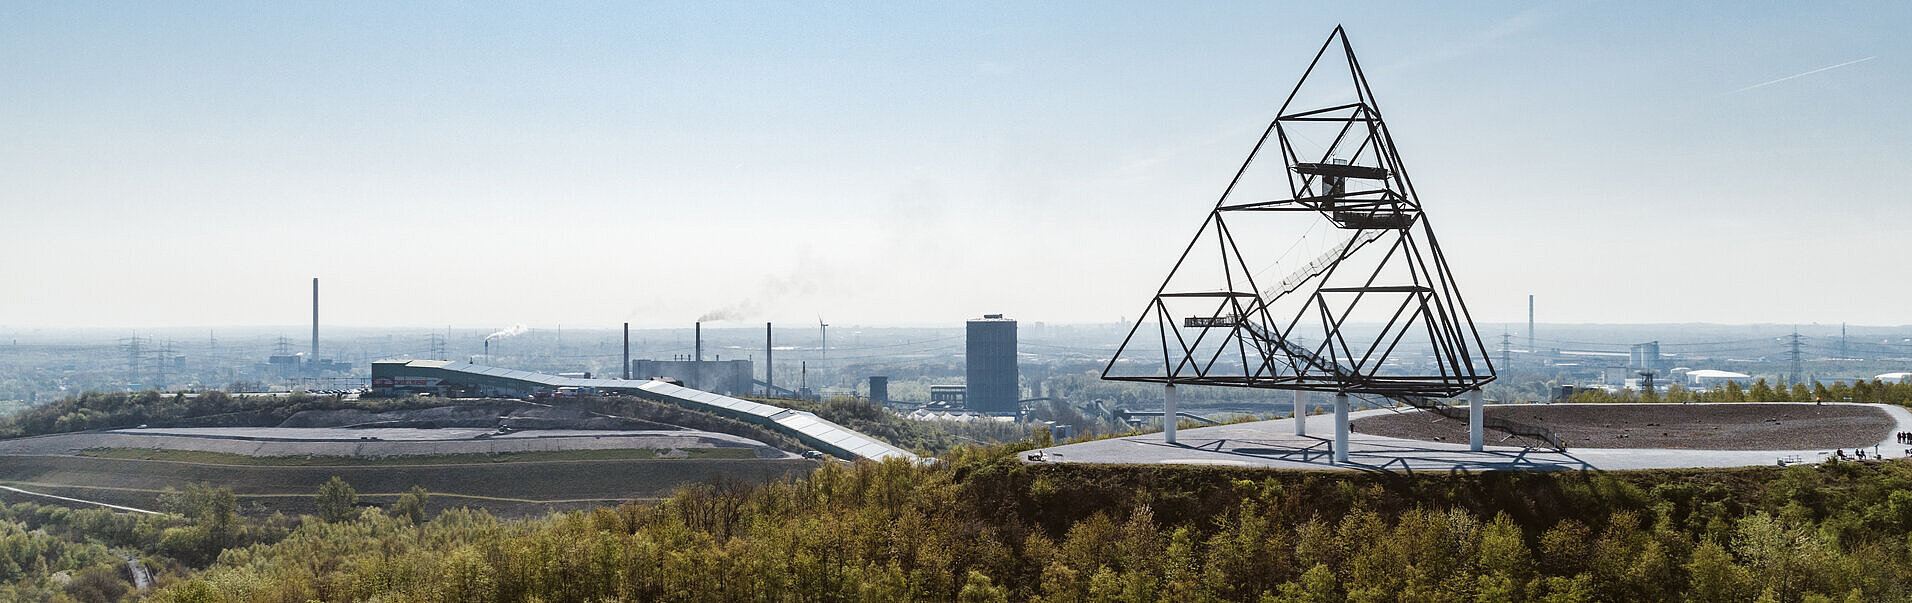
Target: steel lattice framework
<point>1316,329</point>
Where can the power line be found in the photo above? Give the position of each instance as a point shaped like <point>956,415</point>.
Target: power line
<point>1506,350</point>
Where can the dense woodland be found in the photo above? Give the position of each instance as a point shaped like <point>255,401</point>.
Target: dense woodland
<point>980,525</point>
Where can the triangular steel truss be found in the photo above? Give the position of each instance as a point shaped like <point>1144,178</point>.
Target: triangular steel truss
<point>1374,312</point>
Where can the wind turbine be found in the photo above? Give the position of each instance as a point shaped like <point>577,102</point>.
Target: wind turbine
<point>823,366</point>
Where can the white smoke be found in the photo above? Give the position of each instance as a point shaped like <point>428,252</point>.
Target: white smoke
<point>737,311</point>
<point>773,290</point>
<point>511,331</point>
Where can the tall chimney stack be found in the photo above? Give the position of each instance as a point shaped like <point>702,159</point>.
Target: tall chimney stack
<point>1531,352</point>
<point>627,351</point>
<point>769,370</point>
<point>697,362</point>
<point>315,321</point>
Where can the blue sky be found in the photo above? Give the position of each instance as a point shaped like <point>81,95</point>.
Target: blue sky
<point>891,163</point>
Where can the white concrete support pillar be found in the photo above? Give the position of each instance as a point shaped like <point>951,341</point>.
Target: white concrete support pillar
<point>1301,412</point>
<point>1340,428</point>
<point>1168,413</point>
<point>1476,414</point>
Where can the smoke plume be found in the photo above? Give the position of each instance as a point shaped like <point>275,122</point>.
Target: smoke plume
<point>511,331</point>
<point>802,281</point>
<point>737,311</point>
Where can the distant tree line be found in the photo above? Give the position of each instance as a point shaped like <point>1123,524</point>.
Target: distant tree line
<point>1874,391</point>
<point>118,410</point>
<point>114,410</point>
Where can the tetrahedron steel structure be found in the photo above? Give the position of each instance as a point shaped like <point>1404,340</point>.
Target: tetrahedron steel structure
<point>1319,273</point>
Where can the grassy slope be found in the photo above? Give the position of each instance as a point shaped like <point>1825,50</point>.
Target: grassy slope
<point>513,488</point>
<point>227,458</point>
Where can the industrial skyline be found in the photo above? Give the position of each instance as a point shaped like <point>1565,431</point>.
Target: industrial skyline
<point>1631,163</point>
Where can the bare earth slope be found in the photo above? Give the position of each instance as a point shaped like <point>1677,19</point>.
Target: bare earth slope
<point>1772,426</point>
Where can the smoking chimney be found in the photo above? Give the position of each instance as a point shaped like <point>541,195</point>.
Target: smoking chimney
<point>627,350</point>
<point>315,321</point>
<point>697,362</point>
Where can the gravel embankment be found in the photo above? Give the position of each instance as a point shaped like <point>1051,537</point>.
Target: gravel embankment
<point>1764,426</point>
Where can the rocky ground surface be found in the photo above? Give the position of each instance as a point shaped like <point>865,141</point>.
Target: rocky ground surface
<point>1775,426</point>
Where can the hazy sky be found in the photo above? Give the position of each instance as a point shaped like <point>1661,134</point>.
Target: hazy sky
<point>169,164</point>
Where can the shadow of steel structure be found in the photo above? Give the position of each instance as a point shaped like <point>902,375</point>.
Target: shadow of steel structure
<point>1315,329</point>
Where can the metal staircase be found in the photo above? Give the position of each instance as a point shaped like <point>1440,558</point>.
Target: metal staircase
<point>1322,263</point>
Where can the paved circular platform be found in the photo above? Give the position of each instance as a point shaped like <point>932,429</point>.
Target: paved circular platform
<point>1273,444</point>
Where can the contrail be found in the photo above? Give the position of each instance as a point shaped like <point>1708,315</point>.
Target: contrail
<point>1800,75</point>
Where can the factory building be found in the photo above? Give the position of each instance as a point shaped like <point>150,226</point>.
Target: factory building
<point>289,365</point>
<point>1708,379</point>
<point>1645,357</point>
<point>727,377</point>
<point>993,385</point>
<point>948,396</point>
<point>301,365</point>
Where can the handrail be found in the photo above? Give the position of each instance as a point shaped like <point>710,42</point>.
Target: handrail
<point>1293,281</point>
<point>1500,424</point>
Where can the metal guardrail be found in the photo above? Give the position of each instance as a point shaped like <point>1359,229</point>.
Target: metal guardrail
<point>1124,414</point>
<point>1503,425</point>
